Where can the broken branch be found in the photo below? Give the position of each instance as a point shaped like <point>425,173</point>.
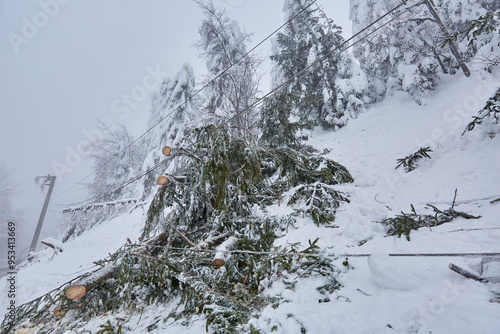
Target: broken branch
<point>467,274</point>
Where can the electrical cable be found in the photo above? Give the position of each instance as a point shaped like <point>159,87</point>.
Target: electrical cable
<point>337,255</point>
<point>261,99</point>
<point>315,63</point>
<point>187,100</point>
<point>132,180</point>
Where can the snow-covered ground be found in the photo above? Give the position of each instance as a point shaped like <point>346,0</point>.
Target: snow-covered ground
<point>380,294</point>
<point>409,294</point>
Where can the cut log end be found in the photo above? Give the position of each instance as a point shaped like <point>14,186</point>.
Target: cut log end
<point>223,253</point>
<point>58,313</point>
<point>166,150</point>
<point>161,180</point>
<point>218,262</point>
<point>76,292</point>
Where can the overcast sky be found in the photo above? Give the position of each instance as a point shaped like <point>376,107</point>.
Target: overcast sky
<point>65,64</point>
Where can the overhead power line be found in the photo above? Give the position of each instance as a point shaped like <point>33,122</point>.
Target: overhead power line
<point>132,180</point>
<point>336,255</point>
<point>340,48</point>
<point>322,59</point>
<point>190,98</point>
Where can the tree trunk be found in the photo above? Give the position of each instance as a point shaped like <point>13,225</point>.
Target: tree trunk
<point>79,289</point>
<point>223,253</point>
<point>443,68</point>
<point>213,241</point>
<point>453,47</point>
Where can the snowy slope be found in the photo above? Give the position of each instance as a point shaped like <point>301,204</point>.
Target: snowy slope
<point>380,294</point>
<point>411,295</point>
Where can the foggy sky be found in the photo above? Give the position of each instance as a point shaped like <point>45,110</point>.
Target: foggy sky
<point>67,63</point>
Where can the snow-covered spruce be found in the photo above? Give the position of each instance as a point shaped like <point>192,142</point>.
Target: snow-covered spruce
<point>330,91</point>
<point>229,183</point>
<point>408,54</point>
<point>488,117</point>
<point>173,114</point>
<point>113,164</point>
<point>232,80</point>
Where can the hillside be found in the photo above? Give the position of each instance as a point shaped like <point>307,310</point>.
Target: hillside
<point>379,293</point>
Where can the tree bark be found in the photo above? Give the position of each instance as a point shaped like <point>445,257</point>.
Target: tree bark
<point>78,290</point>
<point>443,68</point>
<point>213,241</point>
<point>467,274</point>
<point>453,47</point>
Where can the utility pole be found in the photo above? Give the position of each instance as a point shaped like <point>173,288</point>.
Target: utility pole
<point>453,48</point>
<point>46,180</point>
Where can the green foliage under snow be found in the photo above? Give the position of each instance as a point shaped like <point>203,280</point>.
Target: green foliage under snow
<point>406,222</point>
<point>228,183</point>
<point>489,116</point>
<point>409,162</point>
<point>477,30</point>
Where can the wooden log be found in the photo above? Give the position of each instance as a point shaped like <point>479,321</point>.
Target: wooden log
<point>80,288</point>
<point>213,241</point>
<point>76,291</point>
<point>467,274</point>
<point>53,243</point>
<point>223,252</point>
<point>166,150</point>
<point>161,180</point>
<point>58,313</point>
<point>180,178</point>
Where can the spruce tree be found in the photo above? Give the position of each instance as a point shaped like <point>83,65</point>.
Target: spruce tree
<point>173,115</point>
<point>306,59</point>
<point>277,127</point>
<point>232,81</point>
<point>482,38</point>
<point>304,41</point>
<point>401,55</point>
<point>407,54</point>
<point>227,184</point>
